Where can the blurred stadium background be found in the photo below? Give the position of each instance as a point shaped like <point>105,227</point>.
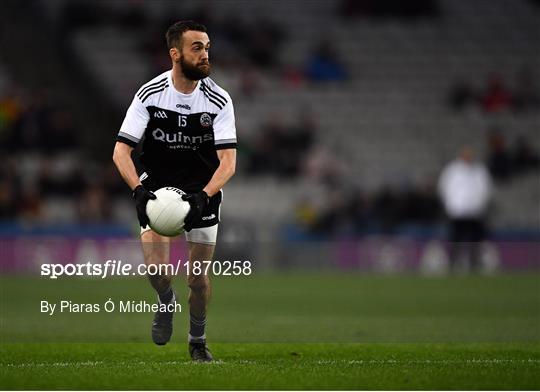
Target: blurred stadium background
<point>346,110</point>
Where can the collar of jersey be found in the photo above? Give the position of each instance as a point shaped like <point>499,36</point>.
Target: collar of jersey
<point>178,92</point>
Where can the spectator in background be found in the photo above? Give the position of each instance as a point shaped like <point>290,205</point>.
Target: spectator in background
<point>257,41</point>
<point>420,204</point>
<point>497,97</point>
<point>7,200</point>
<point>388,9</point>
<point>498,160</point>
<point>524,157</point>
<point>386,206</point>
<point>325,65</point>
<point>30,205</point>
<point>10,112</point>
<point>51,182</point>
<point>306,213</point>
<point>282,148</point>
<point>93,206</point>
<point>263,42</point>
<point>302,136</point>
<point>263,159</point>
<point>465,189</point>
<point>250,84</point>
<point>9,188</point>
<point>27,133</point>
<point>112,184</point>
<point>350,9</point>
<point>526,96</point>
<point>462,96</point>
<point>60,134</point>
<point>324,167</point>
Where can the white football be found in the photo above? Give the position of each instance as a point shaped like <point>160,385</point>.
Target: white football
<point>167,212</point>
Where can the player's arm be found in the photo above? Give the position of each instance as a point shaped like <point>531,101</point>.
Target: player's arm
<point>124,164</point>
<point>225,142</point>
<point>224,172</point>
<point>129,136</point>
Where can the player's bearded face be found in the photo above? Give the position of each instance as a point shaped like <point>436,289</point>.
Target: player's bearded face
<point>195,71</point>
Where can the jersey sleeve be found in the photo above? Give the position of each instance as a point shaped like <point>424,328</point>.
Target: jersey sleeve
<point>225,128</point>
<point>134,125</point>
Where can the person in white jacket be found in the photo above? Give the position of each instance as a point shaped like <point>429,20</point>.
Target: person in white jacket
<point>465,188</point>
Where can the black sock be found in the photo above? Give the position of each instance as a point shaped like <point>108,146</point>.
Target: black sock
<point>196,325</point>
<point>166,296</point>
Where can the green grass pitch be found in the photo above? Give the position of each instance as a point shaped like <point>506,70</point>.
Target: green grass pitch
<point>282,331</point>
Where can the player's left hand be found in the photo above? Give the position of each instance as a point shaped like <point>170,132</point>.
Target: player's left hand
<point>198,202</point>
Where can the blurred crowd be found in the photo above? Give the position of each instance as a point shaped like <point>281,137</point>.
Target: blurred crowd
<point>43,160</point>
<point>248,45</point>
<point>404,10</point>
<point>497,96</point>
<point>349,211</point>
<point>506,162</point>
<point>46,159</point>
<point>407,206</point>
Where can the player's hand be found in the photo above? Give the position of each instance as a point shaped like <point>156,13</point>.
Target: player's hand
<point>198,202</point>
<point>141,197</point>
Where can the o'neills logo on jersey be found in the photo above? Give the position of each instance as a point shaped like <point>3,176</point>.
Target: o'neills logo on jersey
<point>206,120</point>
<point>180,141</point>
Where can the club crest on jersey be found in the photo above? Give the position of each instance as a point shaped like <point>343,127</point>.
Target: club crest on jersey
<point>206,120</point>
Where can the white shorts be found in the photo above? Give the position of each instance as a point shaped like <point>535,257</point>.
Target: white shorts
<point>204,235</point>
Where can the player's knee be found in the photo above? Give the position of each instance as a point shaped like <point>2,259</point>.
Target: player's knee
<point>160,281</point>
<point>156,256</point>
<point>199,282</point>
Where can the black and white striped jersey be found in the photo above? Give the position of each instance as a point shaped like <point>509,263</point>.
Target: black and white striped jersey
<point>180,132</point>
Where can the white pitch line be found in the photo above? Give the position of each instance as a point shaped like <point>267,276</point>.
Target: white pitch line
<point>427,361</point>
<point>54,364</point>
<point>96,363</point>
<point>252,362</point>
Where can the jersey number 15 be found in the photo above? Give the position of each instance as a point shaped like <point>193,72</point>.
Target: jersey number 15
<point>182,121</point>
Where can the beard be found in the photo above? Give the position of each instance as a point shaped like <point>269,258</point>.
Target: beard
<point>195,72</point>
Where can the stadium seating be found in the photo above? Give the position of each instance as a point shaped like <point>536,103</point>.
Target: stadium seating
<point>389,123</point>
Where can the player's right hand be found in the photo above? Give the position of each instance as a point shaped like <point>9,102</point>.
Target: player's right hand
<point>141,197</point>
<point>197,202</point>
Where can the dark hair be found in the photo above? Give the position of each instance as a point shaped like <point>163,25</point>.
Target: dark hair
<point>174,33</point>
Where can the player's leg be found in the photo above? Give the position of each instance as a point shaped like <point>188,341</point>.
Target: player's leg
<point>201,243</point>
<point>156,250</point>
<point>199,290</point>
